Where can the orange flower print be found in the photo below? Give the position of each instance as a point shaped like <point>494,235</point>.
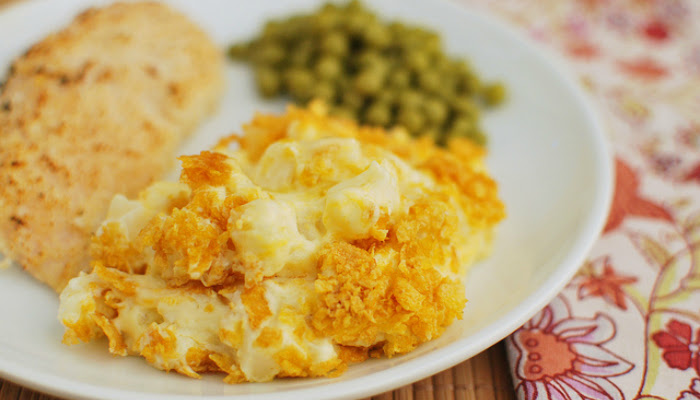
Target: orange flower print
<point>561,357</point>
<point>679,350</point>
<point>606,284</point>
<point>627,201</point>
<point>645,68</point>
<point>583,49</point>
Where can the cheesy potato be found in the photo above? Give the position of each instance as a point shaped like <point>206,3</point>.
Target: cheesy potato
<point>303,245</point>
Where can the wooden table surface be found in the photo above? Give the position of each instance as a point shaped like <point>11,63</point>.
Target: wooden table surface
<point>483,377</point>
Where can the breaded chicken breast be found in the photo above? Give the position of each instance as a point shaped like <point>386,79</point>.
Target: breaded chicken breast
<point>315,244</point>
<point>90,111</point>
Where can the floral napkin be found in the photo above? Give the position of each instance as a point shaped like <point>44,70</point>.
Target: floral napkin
<point>628,325</point>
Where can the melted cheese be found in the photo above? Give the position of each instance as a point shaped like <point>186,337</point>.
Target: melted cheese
<point>311,244</point>
<point>353,207</point>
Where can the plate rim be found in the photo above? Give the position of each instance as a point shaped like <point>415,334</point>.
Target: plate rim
<point>439,359</point>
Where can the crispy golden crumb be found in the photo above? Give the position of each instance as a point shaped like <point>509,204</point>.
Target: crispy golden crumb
<point>314,245</point>
<point>95,109</point>
<point>207,168</point>
<point>256,306</point>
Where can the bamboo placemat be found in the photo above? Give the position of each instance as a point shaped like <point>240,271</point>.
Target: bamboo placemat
<point>483,377</point>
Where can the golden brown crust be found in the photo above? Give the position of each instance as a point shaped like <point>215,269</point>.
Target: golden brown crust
<point>362,303</point>
<point>256,306</point>
<point>90,111</point>
<point>207,168</point>
<point>258,256</point>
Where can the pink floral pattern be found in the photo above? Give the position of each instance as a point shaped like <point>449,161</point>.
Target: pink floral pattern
<point>561,356</point>
<point>628,325</point>
<point>627,200</point>
<point>603,281</point>
<point>680,350</point>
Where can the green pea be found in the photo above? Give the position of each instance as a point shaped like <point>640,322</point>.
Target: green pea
<point>377,36</point>
<point>299,83</point>
<point>400,78</point>
<point>335,43</point>
<point>378,114</point>
<point>410,99</point>
<point>444,138</point>
<point>370,59</point>
<point>466,106</point>
<point>418,32</point>
<point>462,126</point>
<point>448,87</point>
<point>415,39</point>
<point>432,44</point>
<point>461,67</point>
<point>354,5</point>
<point>268,81</point>
<point>381,72</point>
<point>268,53</point>
<point>343,112</point>
<point>238,51</point>
<point>417,60</point>
<point>468,82</point>
<point>329,7</point>
<point>352,100</point>
<point>356,22</point>
<point>297,26</point>
<point>273,29</point>
<point>430,81</point>
<point>328,67</point>
<point>325,91</point>
<point>442,64</point>
<point>433,133</point>
<point>411,119</point>
<point>493,94</point>
<point>435,110</point>
<point>326,20</point>
<point>478,137</point>
<point>398,28</point>
<point>387,97</point>
<point>302,54</point>
<point>368,82</point>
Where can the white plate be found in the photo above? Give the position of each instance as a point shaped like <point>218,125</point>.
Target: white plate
<point>547,151</point>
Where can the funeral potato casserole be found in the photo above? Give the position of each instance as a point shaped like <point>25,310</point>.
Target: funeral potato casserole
<point>303,245</point>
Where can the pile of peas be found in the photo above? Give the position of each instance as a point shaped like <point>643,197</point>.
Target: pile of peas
<point>376,73</point>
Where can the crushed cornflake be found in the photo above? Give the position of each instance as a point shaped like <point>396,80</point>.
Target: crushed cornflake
<point>302,246</point>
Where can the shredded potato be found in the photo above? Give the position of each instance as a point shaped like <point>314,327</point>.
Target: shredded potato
<point>312,244</point>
